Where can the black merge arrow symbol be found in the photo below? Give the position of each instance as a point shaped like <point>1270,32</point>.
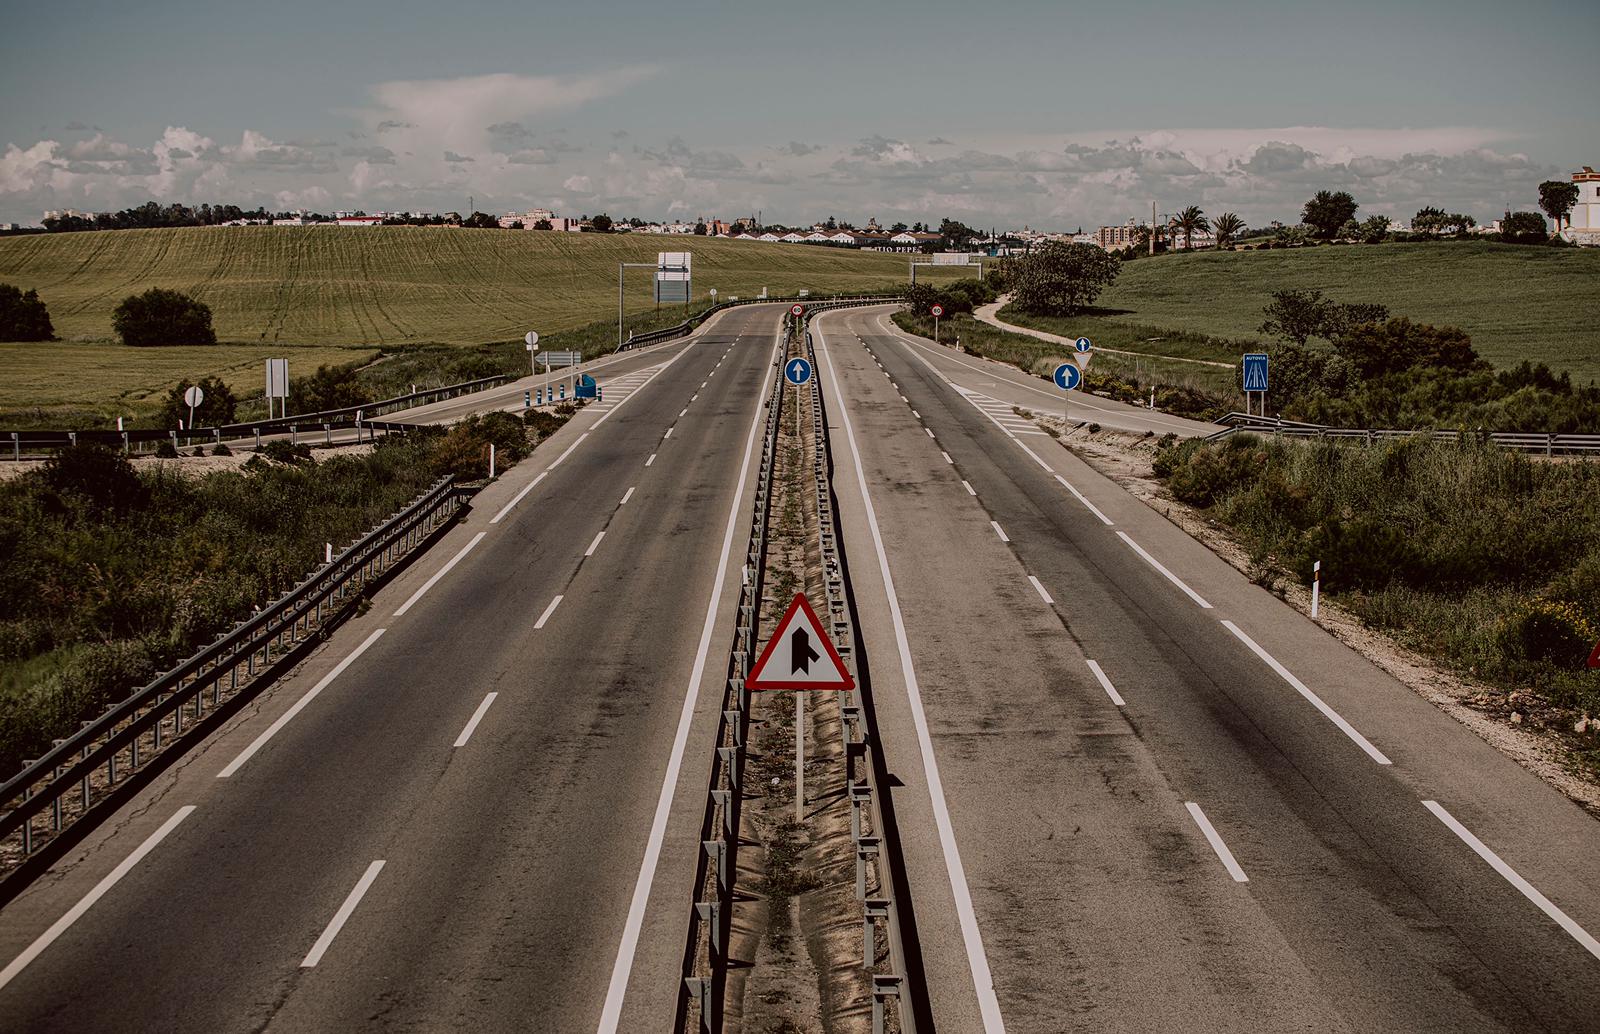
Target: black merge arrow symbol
<point>801,652</point>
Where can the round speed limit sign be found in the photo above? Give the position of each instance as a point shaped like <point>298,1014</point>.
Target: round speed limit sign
<point>798,310</point>
<point>937,310</point>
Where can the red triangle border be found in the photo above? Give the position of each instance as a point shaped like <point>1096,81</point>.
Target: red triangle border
<point>846,683</point>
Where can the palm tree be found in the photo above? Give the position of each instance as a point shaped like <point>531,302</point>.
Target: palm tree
<point>1189,220</point>
<point>1227,227</point>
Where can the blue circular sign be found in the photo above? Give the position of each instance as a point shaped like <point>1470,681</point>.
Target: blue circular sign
<point>1082,344</point>
<point>797,371</point>
<point>1068,376</point>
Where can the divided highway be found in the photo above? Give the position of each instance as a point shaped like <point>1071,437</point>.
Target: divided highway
<point>462,813</point>
<point>1140,792</point>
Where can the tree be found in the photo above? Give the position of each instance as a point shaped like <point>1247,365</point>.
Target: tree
<point>331,387</point>
<point>542,224</point>
<point>1227,227</point>
<point>481,221</point>
<point>1428,220</point>
<point>162,317</point>
<point>601,223</point>
<point>1189,221</point>
<point>955,234</point>
<point>1299,315</point>
<point>898,228</point>
<point>1557,198</point>
<point>1327,211</point>
<point>700,229</point>
<point>1376,349</point>
<point>1351,230</point>
<point>23,317</point>
<point>1523,228</point>
<point>217,406</point>
<point>1060,279</point>
<point>1374,230</point>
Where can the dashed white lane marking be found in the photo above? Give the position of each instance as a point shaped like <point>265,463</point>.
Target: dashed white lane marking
<point>1084,500</point>
<point>472,723</point>
<point>1511,876</point>
<point>543,474</point>
<point>946,456</point>
<point>972,939</point>
<point>999,531</point>
<point>1105,684</point>
<point>929,430</point>
<point>651,460</point>
<point>1217,845</point>
<point>1159,566</point>
<point>594,545</point>
<point>1300,687</point>
<point>682,412</point>
<point>916,414</point>
<point>967,487</point>
<point>627,495</point>
<point>73,914</point>
<point>548,611</point>
<point>342,916</point>
<point>299,705</point>
<point>1039,587</point>
<point>431,582</point>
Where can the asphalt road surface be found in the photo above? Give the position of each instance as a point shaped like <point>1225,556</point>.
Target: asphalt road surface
<point>477,807</point>
<point>1176,835</point>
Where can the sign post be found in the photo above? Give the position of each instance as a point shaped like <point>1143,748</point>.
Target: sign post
<point>278,386</point>
<point>194,396</point>
<point>1067,377</point>
<point>1255,379</point>
<point>799,656</point>
<point>937,310</point>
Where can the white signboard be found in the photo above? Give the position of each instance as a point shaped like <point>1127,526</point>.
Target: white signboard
<point>951,258</point>
<point>277,378</point>
<point>673,276</point>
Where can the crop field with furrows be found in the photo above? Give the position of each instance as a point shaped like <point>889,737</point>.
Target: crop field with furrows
<point>324,285</point>
<point>1517,302</point>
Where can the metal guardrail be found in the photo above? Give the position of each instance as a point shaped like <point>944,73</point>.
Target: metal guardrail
<point>326,421</point>
<point>1533,442</point>
<point>57,798</point>
<point>688,325</point>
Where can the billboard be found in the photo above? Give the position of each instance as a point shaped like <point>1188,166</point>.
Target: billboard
<point>674,281</point>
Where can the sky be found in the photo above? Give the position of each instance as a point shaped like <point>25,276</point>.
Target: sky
<point>1053,115</point>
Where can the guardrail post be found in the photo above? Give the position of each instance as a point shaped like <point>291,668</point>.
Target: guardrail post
<point>873,910</point>
<point>16,446</point>
<point>866,850</point>
<point>710,913</point>
<point>717,851</point>
<point>884,986</point>
<point>699,989</point>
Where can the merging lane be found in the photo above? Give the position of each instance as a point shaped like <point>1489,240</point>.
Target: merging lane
<point>1174,801</point>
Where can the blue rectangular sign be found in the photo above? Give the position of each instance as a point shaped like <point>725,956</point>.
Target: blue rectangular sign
<point>1255,371</point>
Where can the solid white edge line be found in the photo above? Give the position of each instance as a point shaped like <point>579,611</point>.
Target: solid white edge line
<point>622,969</point>
<point>472,723</point>
<point>299,705</point>
<point>431,582</point>
<point>1082,499</point>
<point>342,916</point>
<point>548,611</point>
<point>999,531</point>
<point>1300,687</point>
<point>1215,839</point>
<point>969,488</point>
<point>73,914</point>
<point>594,545</point>
<point>496,519</point>
<point>1039,586</point>
<point>1105,684</point>
<point>977,959</point>
<point>627,495</point>
<point>1512,877</point>
<point>1153,562</point>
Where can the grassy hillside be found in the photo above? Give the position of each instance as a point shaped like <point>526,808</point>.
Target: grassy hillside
<point>1517,302</point>
<point>315,285</point>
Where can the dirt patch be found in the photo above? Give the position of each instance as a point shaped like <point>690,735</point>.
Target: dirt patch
<point>189,465</point>
<point>1557,745</point>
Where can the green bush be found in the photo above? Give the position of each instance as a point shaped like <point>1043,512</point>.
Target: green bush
<point>1546,632</point>
<point>162,317</point>
<point>23,317</point>
<point>217,404</point>
<point>281,450</point>
<point>464,451</point>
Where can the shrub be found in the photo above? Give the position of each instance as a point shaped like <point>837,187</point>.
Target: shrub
<point>93,479</point>
<point>221,450</point>
<point>165,450</point>
<point>162,317</point>
<point>464,452</point>
<point>217,406</point>
<point>331,387</point>
<point>23,317</point>
<point>281,450</point>
<point>1547,632</point>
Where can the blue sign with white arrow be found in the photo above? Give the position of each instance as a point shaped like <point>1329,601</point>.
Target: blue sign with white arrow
<point>1255,371</point>
<point>797,372</point>
<point>1068,376</point>
<point>1082,344</point>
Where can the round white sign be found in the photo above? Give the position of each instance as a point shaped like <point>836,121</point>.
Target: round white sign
<point>532,338</point>
<point>194,396</point>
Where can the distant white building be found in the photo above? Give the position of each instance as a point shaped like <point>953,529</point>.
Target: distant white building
<point>1583,224</point>
<point>359,220</point>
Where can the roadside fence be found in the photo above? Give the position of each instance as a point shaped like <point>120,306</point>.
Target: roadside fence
<point>1549,444</point>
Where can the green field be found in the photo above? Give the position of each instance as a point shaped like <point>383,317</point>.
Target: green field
<point>1541,304</point>
<point>313,285</point>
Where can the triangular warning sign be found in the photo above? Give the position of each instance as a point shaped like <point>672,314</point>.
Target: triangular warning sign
<point>1594,658</point>
<point>799,655</point>
<point>1082,359</point>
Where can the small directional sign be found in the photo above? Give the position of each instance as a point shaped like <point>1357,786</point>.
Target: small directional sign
<point>797,372</point>
<point>1255,371</point>
<point>1082,344</point>
<point>799,655</point>
<point>1068,376</point>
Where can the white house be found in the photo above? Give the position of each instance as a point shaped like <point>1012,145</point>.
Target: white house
<point>818,237</point>
<point>769,236</point>
<point>793,238</point>
<point>842,237</point>
<point>1583,225</point>
<point>359,220</point>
